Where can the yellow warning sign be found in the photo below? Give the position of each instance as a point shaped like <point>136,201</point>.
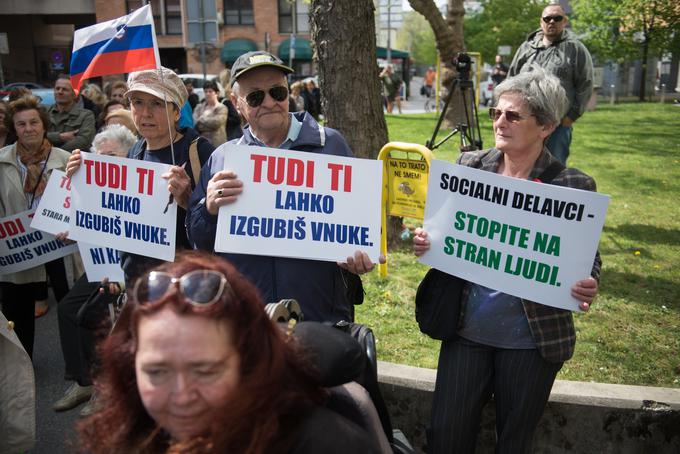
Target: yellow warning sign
<point>407,187</point>
<point>405,174</point>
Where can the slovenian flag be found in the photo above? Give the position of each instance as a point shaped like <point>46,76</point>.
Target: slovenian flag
<point>117,46</point>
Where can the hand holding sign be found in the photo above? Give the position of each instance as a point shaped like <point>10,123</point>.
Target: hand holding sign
<point>223,188</point>
<point>179,185</point>
<point>73,163</point>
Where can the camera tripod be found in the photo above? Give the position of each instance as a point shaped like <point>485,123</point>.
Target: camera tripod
<point>470,134</point>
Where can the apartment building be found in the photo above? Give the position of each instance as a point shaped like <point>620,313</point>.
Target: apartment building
<point>40,34</point>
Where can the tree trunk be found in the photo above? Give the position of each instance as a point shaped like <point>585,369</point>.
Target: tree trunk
<point>448,34</point>
<point>343,33</point>
<point>643,69</point>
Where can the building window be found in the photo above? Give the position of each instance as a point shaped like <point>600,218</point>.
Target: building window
<point>238,12</point>
<point>173,17</point>
<point>167,14</point>
<point>286,16</point>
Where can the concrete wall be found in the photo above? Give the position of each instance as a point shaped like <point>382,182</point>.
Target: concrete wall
<point>580,417</point>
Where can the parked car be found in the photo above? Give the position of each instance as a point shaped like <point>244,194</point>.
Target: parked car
<point>486,91</point>
<point>4,91</point>
<point>46,96</point>
<point>197,80</point>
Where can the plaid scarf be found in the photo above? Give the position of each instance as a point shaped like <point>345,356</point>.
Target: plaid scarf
<point>35,181</point>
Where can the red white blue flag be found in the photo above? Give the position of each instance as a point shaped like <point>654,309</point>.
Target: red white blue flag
<point>117,46</point>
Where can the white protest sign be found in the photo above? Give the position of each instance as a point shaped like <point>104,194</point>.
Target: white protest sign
<point>53,211</point>
<point>123,203</point>
<point>101,262</point>
<point>527,239</point>
<point>22,247</point>
<point>303,205</point>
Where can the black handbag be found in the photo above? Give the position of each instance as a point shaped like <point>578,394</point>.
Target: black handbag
<point>438,304</point>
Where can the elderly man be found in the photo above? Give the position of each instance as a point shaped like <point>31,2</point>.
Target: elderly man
<point>260,93</point>
<point>559,51</point>
<point>72,126</point>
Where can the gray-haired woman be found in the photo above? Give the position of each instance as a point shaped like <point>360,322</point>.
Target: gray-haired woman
<point>112,139</point>
<point>506,346</point>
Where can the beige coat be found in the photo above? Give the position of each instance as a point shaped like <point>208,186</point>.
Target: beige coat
<point>13,200</point>
<point>17,394</point>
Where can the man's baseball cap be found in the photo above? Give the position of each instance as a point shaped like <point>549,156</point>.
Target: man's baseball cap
<point>256,59</point>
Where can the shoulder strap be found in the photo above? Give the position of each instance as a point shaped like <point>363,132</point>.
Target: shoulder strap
<point>195,162</point>
<point>554,169</point>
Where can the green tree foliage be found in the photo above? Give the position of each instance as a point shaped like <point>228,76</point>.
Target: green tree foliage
<point>619,29</point>
<point>626,30</point>
<point>416,35</point>
<point>501,23</point>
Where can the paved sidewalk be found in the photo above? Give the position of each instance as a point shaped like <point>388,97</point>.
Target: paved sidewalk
<point>54,431</point>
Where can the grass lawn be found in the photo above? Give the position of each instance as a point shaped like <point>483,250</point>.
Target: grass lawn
<point>632,333</point>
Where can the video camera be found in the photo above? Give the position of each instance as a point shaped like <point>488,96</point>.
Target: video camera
<point>463,64</point>
<point>470,134</point>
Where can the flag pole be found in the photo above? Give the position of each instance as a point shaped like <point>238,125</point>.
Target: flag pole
<point>171,127</point>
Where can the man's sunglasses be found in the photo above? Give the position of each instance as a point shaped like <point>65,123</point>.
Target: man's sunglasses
<point>556,18</point>
<point>278,93</point>
<point>510,115</point>
<point>198,287</point>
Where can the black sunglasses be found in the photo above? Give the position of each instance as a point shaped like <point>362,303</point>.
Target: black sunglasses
<point>510,115</point>
<point>278,93</point>
<point>198,287</point>
<point>556,18</point>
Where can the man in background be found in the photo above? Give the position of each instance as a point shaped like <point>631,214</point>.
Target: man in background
<point>72,126</point>
<point>559,51</point>
<point>499,72</point>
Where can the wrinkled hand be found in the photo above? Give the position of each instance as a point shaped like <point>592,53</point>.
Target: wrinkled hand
<point>113,288</point>
<point>68,135</point>
<point>179,185</point>
<point>421,242</point>
<point>63,237</point>
<point>223,188</point>
<point>585,291</point>
<point>73,163</point>
<point>360,263</point>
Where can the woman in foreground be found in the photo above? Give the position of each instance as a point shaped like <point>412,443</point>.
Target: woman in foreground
<point>195,365</point>
<point>508,347</point>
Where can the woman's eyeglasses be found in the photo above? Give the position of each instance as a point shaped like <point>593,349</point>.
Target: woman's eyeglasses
<point>555,18</point>
<point>256,98</point>
<point>510,115</point>
<point>198,287</point>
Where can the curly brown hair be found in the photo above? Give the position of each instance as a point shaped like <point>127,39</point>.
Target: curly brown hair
<point>27,102</point>
<point>276,383</point>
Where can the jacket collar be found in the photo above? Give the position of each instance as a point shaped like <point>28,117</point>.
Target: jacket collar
<point>491,160</point>
<point>311,133</point>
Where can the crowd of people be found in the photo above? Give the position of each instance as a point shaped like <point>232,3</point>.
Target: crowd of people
<point>193,363</point>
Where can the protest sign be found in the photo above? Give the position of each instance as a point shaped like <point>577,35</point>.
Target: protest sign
<point>527,239</point>
<point>123,203</point>
<point>22,247</point>
<point>407,180</point>
<point>101,262</point>
<point>303,205</point>
<point>53,211</point>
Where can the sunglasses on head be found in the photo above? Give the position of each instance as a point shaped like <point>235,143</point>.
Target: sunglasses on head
<point>555,18</point>
<point>198,287</point>
<point>510,115</point>
<point>278,93</point>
